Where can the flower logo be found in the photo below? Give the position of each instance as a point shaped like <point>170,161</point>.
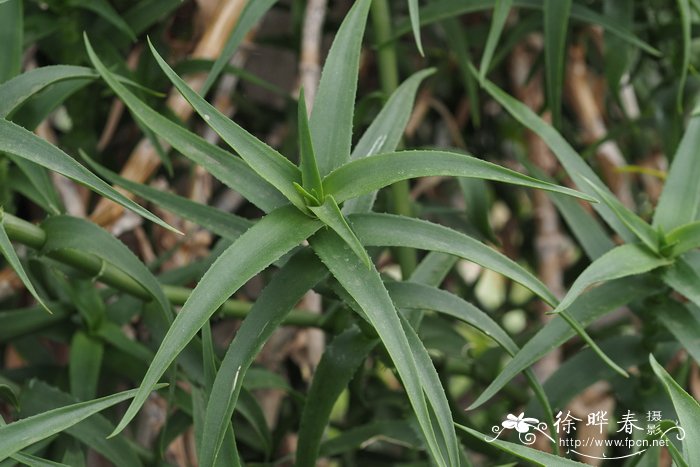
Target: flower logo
<point>519,423</point>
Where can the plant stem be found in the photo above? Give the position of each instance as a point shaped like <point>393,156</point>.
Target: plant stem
<point>389,76</point>
<point>33,236</point>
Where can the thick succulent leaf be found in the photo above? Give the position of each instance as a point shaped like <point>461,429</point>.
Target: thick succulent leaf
<point>575,166</point>
<point>11,37</point>
<point>679,203</point>
<point>687,408</point>
<point>391,230</point>
<point>531,455</point>
<point>310,177</point>
<point>367,290</point>
<point>10,255</point>
<point>72,233</point>
<point>270,238</point>
<point>22,143</point>
<point>338,365</point>
<point>365,175</point>
<point>556,22</point>
<point>329,213</point>
<point>385,132</point>
<point>291,282</point>
<point>334,106</point>
<point>268,163</point>
<point>598,302</point>
<point>229,169</point>
<point>501,10</point>
<point>22,433</point>
<point>16,91</point>
<point>443,9</point>
<point>622,261</point>
<point>221,223</point>
<point>251,15</point>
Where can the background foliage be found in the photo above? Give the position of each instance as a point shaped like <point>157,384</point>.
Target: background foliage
<point>315,271</point>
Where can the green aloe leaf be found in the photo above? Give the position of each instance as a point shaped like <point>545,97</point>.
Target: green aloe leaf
<point>598,302</point>
<point>622,261</point>
<point>231,170</point>
<point>679,203</point>
<point>687,408</point>
<point>270,238</point>
<point>391,230</point>
<point>23,143</point>
<point>498,21</point>
<point>268,163</point>
<point>531,455</point>
<point>556,22</point>
<point>329,213</point>
<point>40,398</point>
<point>371,173</point>
<point>11,257</point>
<point>385,132</point>
<point>251,15</point>
<point>310,177</point>
<point>72,233</point>
<point>221,223</point>
<point>22,433</point>
<point>575,166</point>
<point>291,282</point>
<point>338,365</point>
<point>414,13</point>
<point>11,38</point>
<point>443,9</point>
<point>636,224</point>
<point>334,105</point>
<point>374,300</point>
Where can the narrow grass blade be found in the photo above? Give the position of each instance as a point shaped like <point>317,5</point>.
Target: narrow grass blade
<point>498,21</point>
<point>20,434</point>
<point>599,301</point>
<point>679,203</point>
<point>687,408</point>
<point>105,10</point>
<point>231,170</point>
<point>644,232</point>
<point>252,13</point>
<point>329,213</point>
<point>531,455</point>
<point>270,238</point>
<point>391,230</point>
<point>556,21</point>
<point>310,178</point>
<point>11,257</point>
<point>685,20</point>
<point>219,222</point>
<point>11,38</point>
<point>40,398</point>
<point>23,143</point>
<point>365,175</point>
<point>622,261</point>
<point>414,13</point>
<point>385,132</point>
<point>334,105</point>
<point>399,432</point>
<point>268,163</point>
<point>338,365</point>
<point>302,272</point>
<point>34,461</point>
<point>575,166</point>
<point>65,232</point>
<point>374,300</point>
